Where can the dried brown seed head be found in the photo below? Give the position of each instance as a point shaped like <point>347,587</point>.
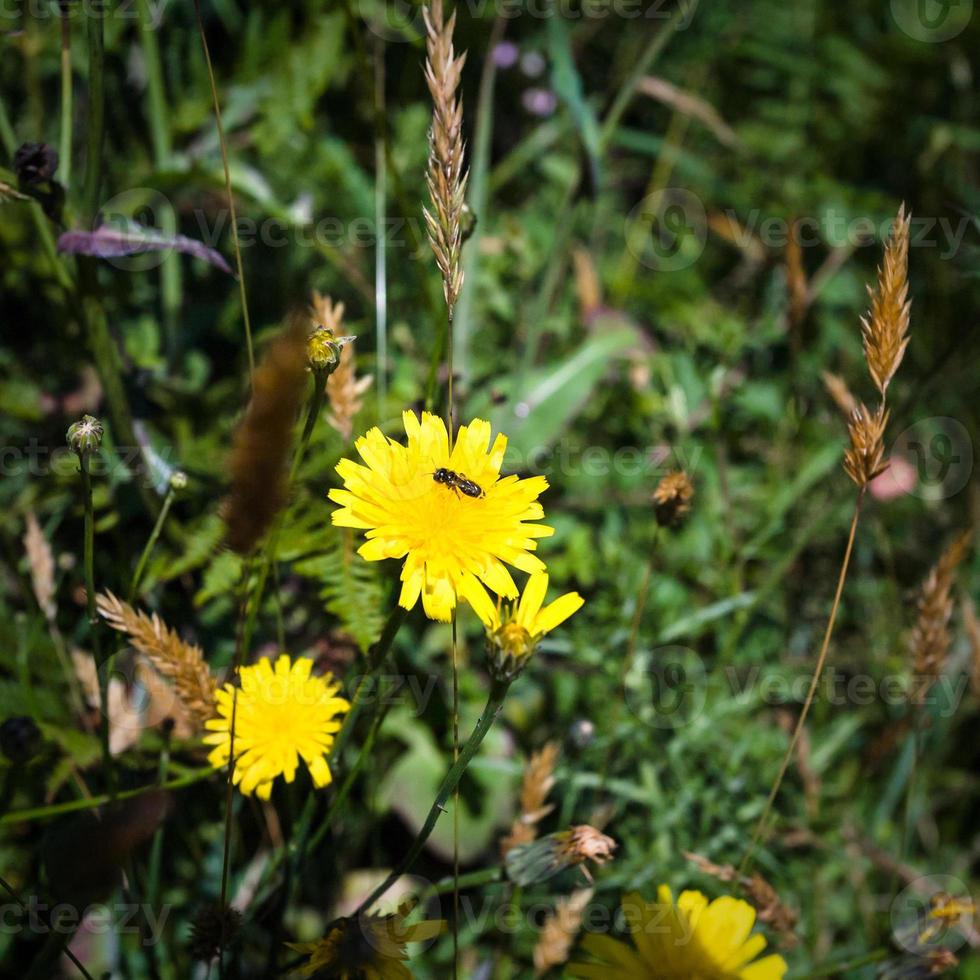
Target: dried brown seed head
<point>885,328</point>
<point>866,457</point>
<point>672,498</point>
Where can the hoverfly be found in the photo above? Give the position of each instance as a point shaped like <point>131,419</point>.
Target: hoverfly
<point>458,483</point>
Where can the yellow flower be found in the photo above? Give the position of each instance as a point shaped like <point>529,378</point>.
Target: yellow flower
<point>451,541</point>
<point>282,715</point>
<point>514,629</point>
<point>368,947</point>
<point>692,940</point>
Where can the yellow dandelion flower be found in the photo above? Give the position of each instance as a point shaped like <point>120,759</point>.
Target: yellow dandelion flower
<point>367,947</point>
<point>451,540</point>
<point>514,628</point>
<point>282,715</point>
<point>692,939</point>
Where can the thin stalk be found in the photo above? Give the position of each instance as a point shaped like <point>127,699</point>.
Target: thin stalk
<point>150,545</point>
<point>240,649</point>
<point>917,734</point>
<point>380,209</point>
<point>629,656</point>
<point>104,670</point>
<point>485,876</point>
<point>65,140</point>
<point>478,196</point>
<point>811,693</point>
<point>655,46</point>
<point>455,802</point>
<point>156,848</point>
<point>171,286</point>
<point>231,197</point>
<point>268,557</point>
<point>90,803</point>
<point>298,847</point>
<point>829,971</point>
<point>95,124</point>
<point>495,701</point>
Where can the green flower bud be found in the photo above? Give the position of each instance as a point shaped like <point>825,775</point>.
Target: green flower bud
<point>85,436</point>
<point>509,648</point>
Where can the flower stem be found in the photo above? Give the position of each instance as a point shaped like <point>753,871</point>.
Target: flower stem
<point>231,197</point>
<point>64,145</point>
<point>95,125</point>
<point>90,803</point>
<point>830,971</point>
<point>495,702</point>
<point>103,669</point>
<point>811,693</point>
<point>150,545</point>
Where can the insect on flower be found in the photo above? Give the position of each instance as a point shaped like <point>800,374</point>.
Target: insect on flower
<point>458,483</point>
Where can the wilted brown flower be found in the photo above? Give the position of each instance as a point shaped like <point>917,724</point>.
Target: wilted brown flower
<point>35,163</point>
<point>539,860</point>
<point>672,498</point>
<point>214,927</point>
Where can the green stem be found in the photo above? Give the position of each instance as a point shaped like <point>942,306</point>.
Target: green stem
<point>103,668</point>
<point>479,172</point>
<point>150,544</point>
<point>89,803</point>
<point>268,557</point>
<point>170,270</point>
<point>679,19</point>
<point>829,971</point>
<point>156,849</point>
<point>65,141</point>
<point>231,197</point>
<point>811,693</point>
<point>300,845</point>
<point>380,208</point>
<point>485,876</point>
<point>495,701</point>
<point>95,125</point>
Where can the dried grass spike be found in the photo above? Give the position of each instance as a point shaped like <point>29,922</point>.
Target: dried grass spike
<point>866,457</point>
<point>885,328</point>
<point>40,560</point>
<point>262,442</point>
<point>537,783</point>
<point>445,177</point>
<point>837,389</point>
<point>344,392</point>
<point>181,662</point>
<point>930,638</point>
<point>559,931</point>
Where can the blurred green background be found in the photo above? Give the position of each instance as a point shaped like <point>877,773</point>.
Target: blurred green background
<point>634,302</point>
